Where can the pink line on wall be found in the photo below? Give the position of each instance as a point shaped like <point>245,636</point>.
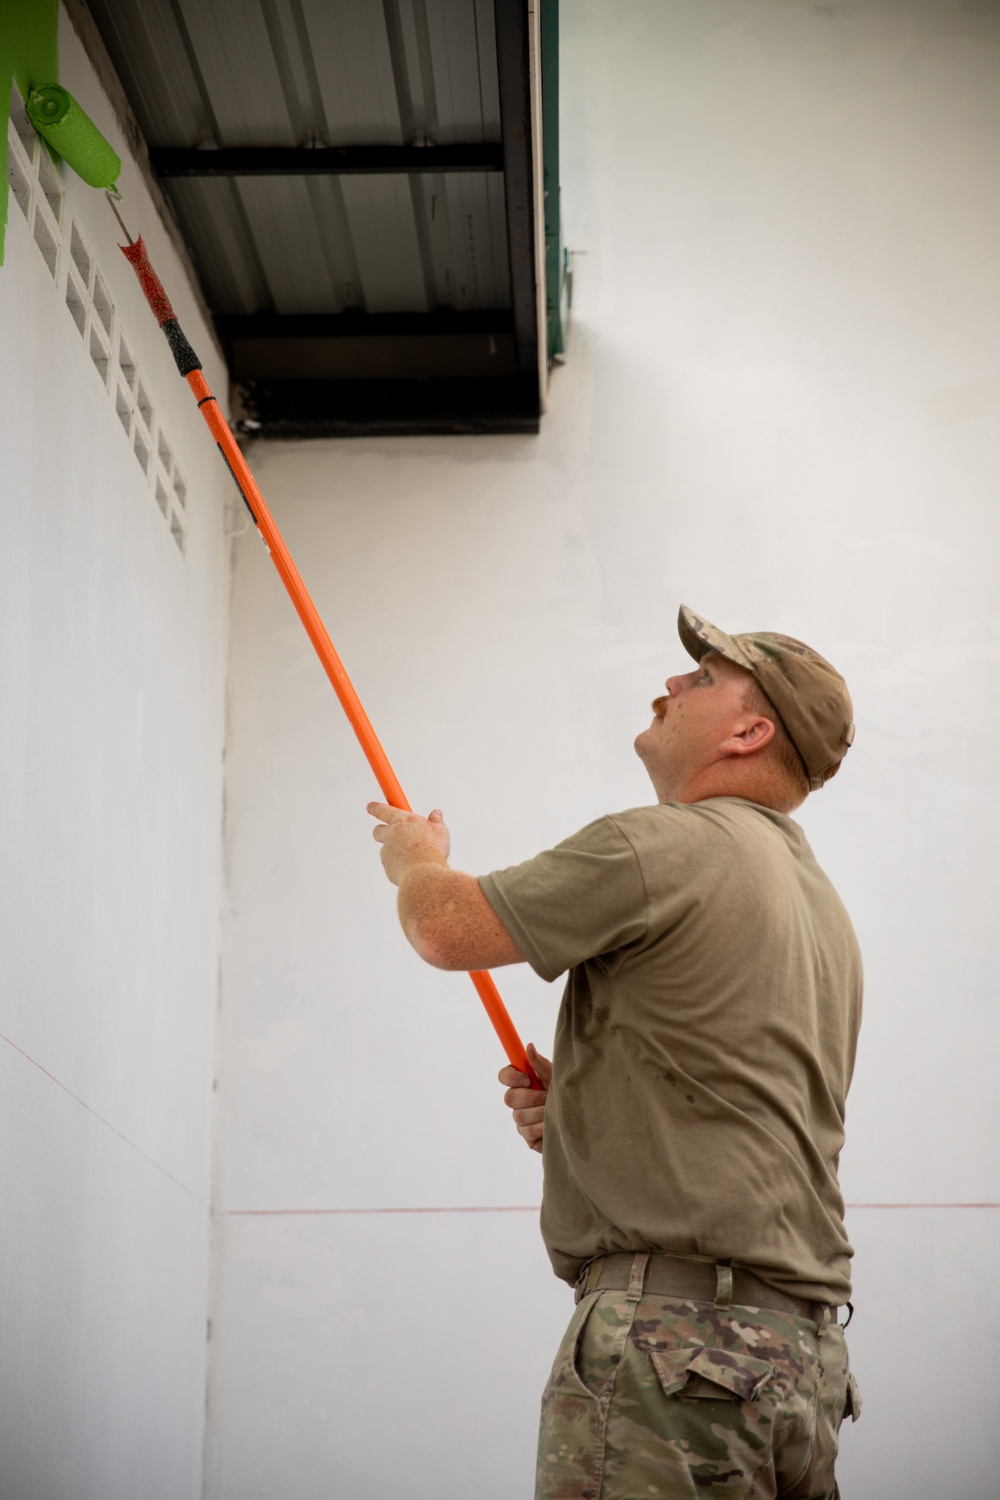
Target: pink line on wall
<point>106,1123</point>
<point>285,1213</point>
<point>513,1208</point>
<point>923,1205</point>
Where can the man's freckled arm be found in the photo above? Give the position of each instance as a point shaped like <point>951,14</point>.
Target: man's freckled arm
<point>444,913</point>
<point>449,921</point>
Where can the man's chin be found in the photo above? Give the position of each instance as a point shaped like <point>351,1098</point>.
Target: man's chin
<point>647,733</point>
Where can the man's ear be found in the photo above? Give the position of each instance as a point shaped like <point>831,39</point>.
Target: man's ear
<point>749,735</point>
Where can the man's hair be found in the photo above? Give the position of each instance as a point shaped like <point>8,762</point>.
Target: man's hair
<point>786,757</point>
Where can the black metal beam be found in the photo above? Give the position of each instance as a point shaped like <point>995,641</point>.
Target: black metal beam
<point>354,324</point>
<point>513,66</point>
<point>443,344</point>
<point>338,161</point>
<point>434,357</point>
<point>387,408</point>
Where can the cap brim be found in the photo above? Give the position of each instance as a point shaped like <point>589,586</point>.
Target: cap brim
<point>699,636</point>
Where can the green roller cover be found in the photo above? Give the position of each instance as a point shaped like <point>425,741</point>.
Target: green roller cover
<point>61,122</point>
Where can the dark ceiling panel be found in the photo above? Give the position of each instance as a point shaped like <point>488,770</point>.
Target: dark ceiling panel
<point>339,161</point>
<point>350,158</point>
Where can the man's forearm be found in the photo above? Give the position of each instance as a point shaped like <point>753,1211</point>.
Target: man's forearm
<point>449,921</point>
<point>444,913</point>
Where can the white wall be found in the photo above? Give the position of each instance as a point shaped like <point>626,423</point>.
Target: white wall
<point>781,406</point>
<point>112,684</point>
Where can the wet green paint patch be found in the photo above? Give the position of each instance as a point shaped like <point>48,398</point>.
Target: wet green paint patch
<point>29,55</point>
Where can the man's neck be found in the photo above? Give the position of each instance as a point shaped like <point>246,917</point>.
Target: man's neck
<point>724,779</point>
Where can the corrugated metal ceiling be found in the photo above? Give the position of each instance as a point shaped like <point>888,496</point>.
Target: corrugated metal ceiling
<point>405,250</point>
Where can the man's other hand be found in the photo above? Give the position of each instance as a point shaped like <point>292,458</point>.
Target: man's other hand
<point>527,1104</point>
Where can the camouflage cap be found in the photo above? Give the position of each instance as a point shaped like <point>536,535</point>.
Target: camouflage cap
<point>810,696</point>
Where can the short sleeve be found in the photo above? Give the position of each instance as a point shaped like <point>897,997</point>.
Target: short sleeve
<point>584,898</point>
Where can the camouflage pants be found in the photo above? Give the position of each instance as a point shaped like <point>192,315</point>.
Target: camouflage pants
<point>670,1398</point>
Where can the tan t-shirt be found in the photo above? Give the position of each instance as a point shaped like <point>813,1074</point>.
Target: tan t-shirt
<point>705,1041</point>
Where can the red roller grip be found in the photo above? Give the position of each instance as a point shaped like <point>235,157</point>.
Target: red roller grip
<point>149,281</point>
<point>152,288</point>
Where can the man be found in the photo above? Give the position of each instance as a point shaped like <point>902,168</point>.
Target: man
<point>694,1120</point>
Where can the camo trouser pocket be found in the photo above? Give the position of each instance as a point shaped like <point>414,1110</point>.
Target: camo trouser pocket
<point>710,1374</point>
<point>677,1399</point>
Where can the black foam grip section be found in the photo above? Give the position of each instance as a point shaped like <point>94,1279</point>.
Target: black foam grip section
<point>184,356</point>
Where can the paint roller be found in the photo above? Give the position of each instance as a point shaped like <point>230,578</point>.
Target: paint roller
<point>67,129</point>
<point>63,125</point>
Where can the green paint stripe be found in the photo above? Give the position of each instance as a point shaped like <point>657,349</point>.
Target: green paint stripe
<point>29,53</point>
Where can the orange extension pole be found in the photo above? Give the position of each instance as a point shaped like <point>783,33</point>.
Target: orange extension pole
<point>190,367</point>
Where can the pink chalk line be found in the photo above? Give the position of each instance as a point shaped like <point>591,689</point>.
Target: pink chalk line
<point>513,1208</point>
<point>289,1213</point>
<point>923,1205</point>
<point>106,1123</point>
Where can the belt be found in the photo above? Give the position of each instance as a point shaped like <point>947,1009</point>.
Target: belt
<point>702,1281</point>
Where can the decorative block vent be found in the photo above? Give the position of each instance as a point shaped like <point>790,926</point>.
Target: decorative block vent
<point>37,190</point>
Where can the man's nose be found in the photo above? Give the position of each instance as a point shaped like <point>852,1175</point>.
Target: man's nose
<point>673,685</point>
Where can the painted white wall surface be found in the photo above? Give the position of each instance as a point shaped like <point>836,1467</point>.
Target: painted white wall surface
<point>112,680</point>
<point>781,405</point>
